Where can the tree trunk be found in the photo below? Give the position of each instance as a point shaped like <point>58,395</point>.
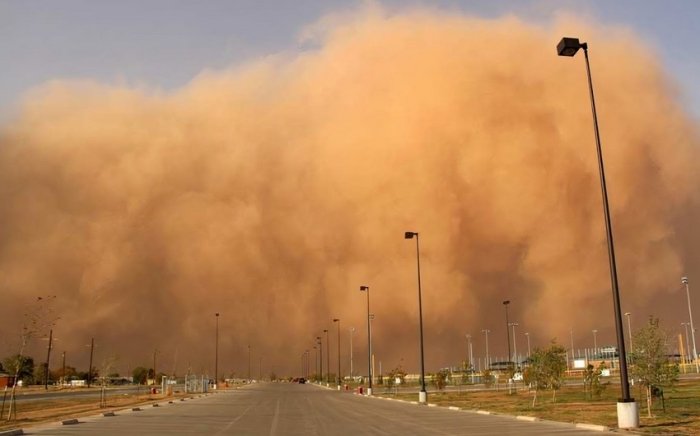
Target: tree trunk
<point>534,398</point>
<point>649,401</point>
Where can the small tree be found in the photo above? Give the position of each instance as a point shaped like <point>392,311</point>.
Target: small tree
<point>591,380</point>
<point>651,365</point>
<point>546,370</point>
<point>440,379</point>
<point>487,378</point>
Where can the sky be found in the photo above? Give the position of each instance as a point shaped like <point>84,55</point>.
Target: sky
<point>161,161</point>
<point>164,44</point>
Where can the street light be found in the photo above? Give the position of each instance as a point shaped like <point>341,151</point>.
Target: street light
<point>527,335</point>
<point>249,379</point>
<point>328,359</point>
<point>92,349</point>
<point>320,358</point>
<point>595,341</point>
<point>471,356</point>
<point>515,348</point>
<point>629,327</point>
<point>687,344</point>
<point>684,280</point>
<point>423,394</point>
<point>627,409</point>
<point>352,332</point>
<point>505,304</point>
<point>216,353</point>
<point>486,332</point>
<point>369,342</point>
<point>338,378</point>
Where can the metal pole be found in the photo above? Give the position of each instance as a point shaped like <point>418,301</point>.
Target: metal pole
<point>515,348</point>
<point>92,347</point>
<point>527,335</point>
<point>624,379</point>
<point>320,358</point>
<point>338,378</point>
<point>684,280</point>
<point>420,317</point>
<point>687,344</point>
<point>216,354</point>
<point>249,379</point>
<point>486,363</point>
<point>629,327</point>
<point>573,358</point>
<point>505,304</point>
<point>328,359</point>
<point>63,372</point>
<point>369,342</point>
<point>595,341</point>
<point>352,332</point>
<point>48,360</point>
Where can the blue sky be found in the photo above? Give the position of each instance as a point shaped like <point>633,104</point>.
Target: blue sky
<point>165,43</point>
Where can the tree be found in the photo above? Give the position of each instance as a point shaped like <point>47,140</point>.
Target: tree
<point>140,375</point>
<point>546,370</point>
<point>440,379</point>
<point>21,366</point>
<point>651,365</point>
<point>591,380</point>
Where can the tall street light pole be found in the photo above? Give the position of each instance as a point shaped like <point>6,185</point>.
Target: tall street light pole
<point>48,361</point>
<point>352,332</point>
<point>471,356</point>
<point>629,327</point>
<point>320,358</point>
<point>627,409</point>
<point>687,344</point>
<point>249,379</point>
<point>684,280</point>
<point>216,354</point>
<point>515,348</point>
<point>595,341</point>
<point>369,342</point>
<point>92,349</point>
<point>486,333</point>
<point>527,335</point>
<point>573,358</point>
<point>423,394</point>
<point>505,305</point>
<point>328,359</point>
<point>338,377</point>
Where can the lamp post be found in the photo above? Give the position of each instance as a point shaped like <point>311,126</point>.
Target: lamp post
<point>486,333</point>
<point>216,354</point>
<point>423,394</point>
<point>352,332</point>
<point>92,349</point>
<point>328,359</point>
<point>338,378</point>
<point>369,342</point>
<point>684,280</point>
<point>515,348</point>
<point>629,327</point>
<point>505,305</point>
<point>571,333</point>
<point>527,335</point>
<point>48,361</point>
<point>627,409</point>
<point>249,379</point>
<point>687,344</point>
<point>320,358</point>
<point>595,341</point>
<point>471,355</point>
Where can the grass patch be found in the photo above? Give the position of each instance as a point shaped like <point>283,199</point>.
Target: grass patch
<point>680,418</point>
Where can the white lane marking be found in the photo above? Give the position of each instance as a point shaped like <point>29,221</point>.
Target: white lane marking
<point>273,428</point>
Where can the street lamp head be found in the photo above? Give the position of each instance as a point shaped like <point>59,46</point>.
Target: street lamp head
<point>364,288</point>
<point>410,235</point>
<point>569,46</point>
<point>684,280</point>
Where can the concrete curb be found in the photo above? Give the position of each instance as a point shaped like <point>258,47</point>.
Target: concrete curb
<point>109,414</point>
<point>72,421</point>
<point>527,418</point>
<point>454,408</point>
<point>483,412</point>
<point>14,432</point>
<point>593,427</point>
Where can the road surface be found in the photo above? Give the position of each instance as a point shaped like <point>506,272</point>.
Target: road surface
<point>293,409</point>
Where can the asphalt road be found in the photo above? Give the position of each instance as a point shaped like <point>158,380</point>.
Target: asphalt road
<point>292,409</point>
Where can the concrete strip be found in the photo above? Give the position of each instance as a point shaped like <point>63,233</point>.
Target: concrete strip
<point>453,408</point>
<point>109,414</point>
<point>526,418</point>
<point>432,405</point>
<point>593,427</point>
<point>483,412</point>
<point>16,431</point>
<point>69,421</point>
<point>135,409</point>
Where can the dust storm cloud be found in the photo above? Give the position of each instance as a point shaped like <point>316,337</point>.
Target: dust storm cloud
<point>271,191</point>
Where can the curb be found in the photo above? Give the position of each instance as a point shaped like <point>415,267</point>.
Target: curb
<point>527,418</point>
<point>453,408</point>
<point>69,421</point>
<point>593,427</point>
<point>17,431</point>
